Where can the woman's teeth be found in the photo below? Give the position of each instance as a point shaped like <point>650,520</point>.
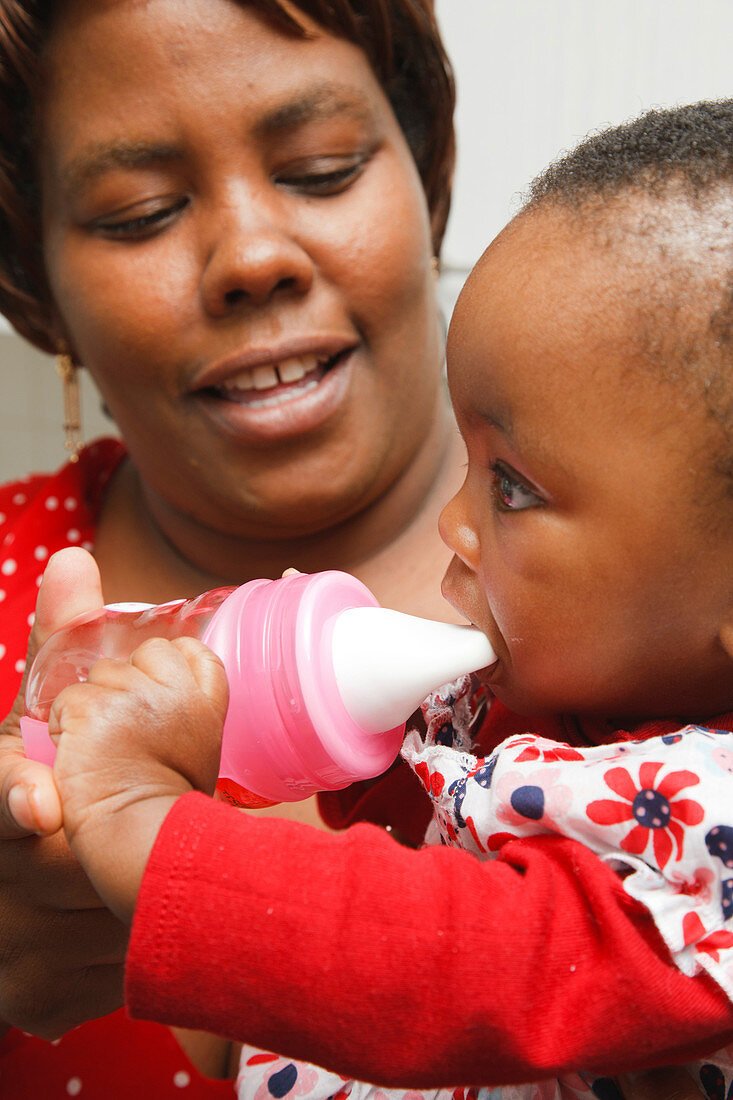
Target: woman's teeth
<point>306,369</point>
<point>264,378</point>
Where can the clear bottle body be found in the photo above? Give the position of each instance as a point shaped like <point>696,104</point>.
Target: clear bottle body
<point>114,631</point>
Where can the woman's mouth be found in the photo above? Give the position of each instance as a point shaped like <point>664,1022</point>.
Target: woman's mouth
<point>273,384</point>
<point>279,399</point>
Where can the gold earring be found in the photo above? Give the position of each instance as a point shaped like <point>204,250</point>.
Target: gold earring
<point>68,373</point>
<point>435,263</point>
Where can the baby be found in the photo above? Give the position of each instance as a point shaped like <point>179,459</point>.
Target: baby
<point>588,924</point>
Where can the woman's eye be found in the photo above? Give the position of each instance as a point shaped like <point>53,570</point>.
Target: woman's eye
<point>511,494</point>
<point>141,225</point>
<point>327,180</point>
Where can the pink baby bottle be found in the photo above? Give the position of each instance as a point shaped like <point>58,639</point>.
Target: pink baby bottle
<point>321,678</point>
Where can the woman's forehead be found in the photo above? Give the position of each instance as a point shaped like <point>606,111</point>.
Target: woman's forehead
<point>119,43</point>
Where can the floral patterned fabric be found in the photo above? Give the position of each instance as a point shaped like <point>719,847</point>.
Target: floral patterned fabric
<point>658,811</point>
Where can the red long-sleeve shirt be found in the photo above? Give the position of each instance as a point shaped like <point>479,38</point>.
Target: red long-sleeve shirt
<point>415,968</point>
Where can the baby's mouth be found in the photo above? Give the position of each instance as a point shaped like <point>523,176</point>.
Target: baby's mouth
<point>272,384</point>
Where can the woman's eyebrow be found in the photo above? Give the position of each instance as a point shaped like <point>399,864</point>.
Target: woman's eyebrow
<point>95,160</point>
<point>321,102</point>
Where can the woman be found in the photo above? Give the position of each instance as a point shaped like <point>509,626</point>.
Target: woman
<point>229,215</point>
<point>225,224</point>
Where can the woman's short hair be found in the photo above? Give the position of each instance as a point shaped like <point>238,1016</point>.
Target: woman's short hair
<point>400,38</point>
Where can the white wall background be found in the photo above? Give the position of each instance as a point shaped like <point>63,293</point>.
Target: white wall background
<point>534,76</point>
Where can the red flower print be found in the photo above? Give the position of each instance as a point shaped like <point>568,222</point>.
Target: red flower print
<point>498,840</point>
<point>693,929</point>
<point>656,815</point>
<point>696,885</point>
<point>432,781</point>
<point>536,750</point>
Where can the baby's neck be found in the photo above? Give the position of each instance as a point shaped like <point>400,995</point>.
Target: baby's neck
<point>594,730</point>
<point>587,730</point>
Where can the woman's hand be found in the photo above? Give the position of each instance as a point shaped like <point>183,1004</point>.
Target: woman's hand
<point>29,801</point>
<point>61,951</point>
<point>131,740</point>
<point>668,1083</point>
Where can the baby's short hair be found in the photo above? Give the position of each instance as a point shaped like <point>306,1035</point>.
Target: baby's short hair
<point>692,144</point>
<point>663,184</point>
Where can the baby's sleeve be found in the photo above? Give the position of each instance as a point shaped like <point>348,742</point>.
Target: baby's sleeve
<point>658,812</point>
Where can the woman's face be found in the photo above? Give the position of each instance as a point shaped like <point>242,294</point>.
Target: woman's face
<point>238,247</point>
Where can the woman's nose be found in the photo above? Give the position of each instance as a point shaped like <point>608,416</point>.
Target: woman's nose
<point>457,531</point>
<point>252,259</point>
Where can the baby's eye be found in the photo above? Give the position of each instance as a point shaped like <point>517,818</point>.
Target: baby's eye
<point>510,492</point>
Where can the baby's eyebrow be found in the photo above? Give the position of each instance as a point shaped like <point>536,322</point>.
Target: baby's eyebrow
<point>497,418</point>
<point>103,157</point>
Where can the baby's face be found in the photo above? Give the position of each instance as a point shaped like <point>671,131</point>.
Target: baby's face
<point>593,539</point>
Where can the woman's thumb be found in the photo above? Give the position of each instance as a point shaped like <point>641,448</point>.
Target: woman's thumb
<point>29,802</point>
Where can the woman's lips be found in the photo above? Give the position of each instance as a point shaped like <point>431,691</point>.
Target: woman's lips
<point>281,399</point>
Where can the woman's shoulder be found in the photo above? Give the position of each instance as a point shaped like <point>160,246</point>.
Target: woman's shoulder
<point>85,479</point>
<point>39,515</point>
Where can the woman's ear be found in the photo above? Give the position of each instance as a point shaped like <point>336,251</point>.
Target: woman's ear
<point>726,634</point>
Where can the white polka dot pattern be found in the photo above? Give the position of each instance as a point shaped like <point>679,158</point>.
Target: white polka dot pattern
<point>38,516</point>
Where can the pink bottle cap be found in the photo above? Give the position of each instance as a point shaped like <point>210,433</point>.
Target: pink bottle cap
<point>287,733</point>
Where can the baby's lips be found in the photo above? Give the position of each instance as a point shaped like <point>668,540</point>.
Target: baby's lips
<point>484,674</point>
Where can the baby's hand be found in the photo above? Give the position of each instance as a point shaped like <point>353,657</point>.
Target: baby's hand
<point>131,740</point>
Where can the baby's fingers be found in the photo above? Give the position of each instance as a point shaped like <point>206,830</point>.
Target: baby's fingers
<point>185,665</point>
<point>208,672</point>
<point>81,708</point>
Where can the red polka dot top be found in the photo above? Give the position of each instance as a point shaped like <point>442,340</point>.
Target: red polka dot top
<point>114,1057</point>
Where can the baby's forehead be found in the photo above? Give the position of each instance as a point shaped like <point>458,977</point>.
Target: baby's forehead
<point>634,290</point>
<point>673,223</point>
<point>664,256</point>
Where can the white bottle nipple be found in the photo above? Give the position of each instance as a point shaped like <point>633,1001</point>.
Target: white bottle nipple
<point>386,662</point>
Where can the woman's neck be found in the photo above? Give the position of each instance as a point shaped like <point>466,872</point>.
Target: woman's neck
<point>392,545</point>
